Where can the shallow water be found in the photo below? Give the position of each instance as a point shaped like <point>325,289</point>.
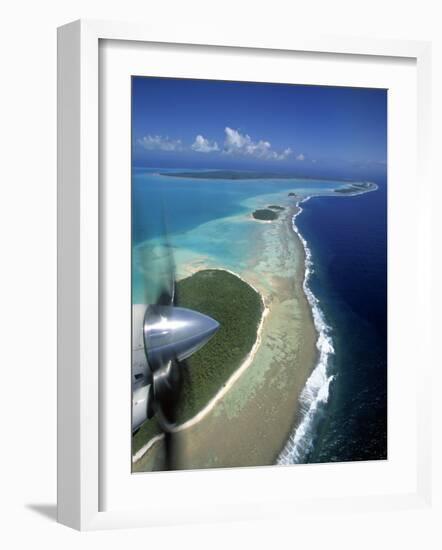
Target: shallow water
<point>206,222</point>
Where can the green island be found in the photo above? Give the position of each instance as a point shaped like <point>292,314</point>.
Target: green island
<point>265,214</point>
<point>276,207</point>
<point>345,190</point>
<point>228,175</point>
<point>356,188</point>
<point>238,308</point>
<point>241,175</point>
<point>291,194</point>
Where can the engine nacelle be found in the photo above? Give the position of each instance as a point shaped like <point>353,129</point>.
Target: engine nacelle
<point>162,335</point>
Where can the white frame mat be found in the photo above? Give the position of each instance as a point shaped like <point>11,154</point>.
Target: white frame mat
<point>81,467</point>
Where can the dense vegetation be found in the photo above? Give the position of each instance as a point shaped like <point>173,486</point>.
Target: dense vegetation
<point>346,190</point>
<point>242,175</point>
<point>276,207</point>
<point>146,432</point>
<point>229,175</point>
<point>265,214</point>
<point>356,187</point>
<point>238,309</point>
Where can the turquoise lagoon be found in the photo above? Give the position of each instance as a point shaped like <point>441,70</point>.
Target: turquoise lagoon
<point>206,223</point>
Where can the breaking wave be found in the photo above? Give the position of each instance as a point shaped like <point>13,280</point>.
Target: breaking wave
<point>315,394</point>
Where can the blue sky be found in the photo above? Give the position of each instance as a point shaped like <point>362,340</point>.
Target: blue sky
<point>217,124</point>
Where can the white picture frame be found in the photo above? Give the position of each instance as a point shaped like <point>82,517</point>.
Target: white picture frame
<point>80,438</point>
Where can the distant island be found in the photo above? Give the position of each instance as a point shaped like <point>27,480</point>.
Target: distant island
<point>356,188</point>
<point>345,190</point>
<point>265,214</point>
<point>239,175</point>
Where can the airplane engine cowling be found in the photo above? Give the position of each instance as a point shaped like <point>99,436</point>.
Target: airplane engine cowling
<point>174,333</point>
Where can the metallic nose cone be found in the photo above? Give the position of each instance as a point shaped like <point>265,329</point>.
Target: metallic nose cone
<point>175,333</point>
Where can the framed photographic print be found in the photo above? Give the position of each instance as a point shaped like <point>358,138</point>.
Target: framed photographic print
<point>234,255</point>
<point>259,315</point>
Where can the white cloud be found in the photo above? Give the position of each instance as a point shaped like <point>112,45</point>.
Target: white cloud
<point>203,145</point>
<point>301,156</point>
<point>160,143</point>
<point>243,144</point>
<point>235,140</point>
<point>235,143</point>
<point>287,152</point>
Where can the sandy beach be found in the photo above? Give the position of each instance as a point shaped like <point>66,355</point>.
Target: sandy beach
<point>249,421</point>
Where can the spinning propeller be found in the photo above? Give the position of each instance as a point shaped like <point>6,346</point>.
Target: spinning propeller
<point>164,335</point>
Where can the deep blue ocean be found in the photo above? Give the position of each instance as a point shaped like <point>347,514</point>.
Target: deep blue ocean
<point>348,242</point>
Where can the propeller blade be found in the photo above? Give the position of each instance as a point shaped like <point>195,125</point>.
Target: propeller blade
<point>167,335</point>
<point>167,294</point>
<point>167,385</point>
<point>154,260</point>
